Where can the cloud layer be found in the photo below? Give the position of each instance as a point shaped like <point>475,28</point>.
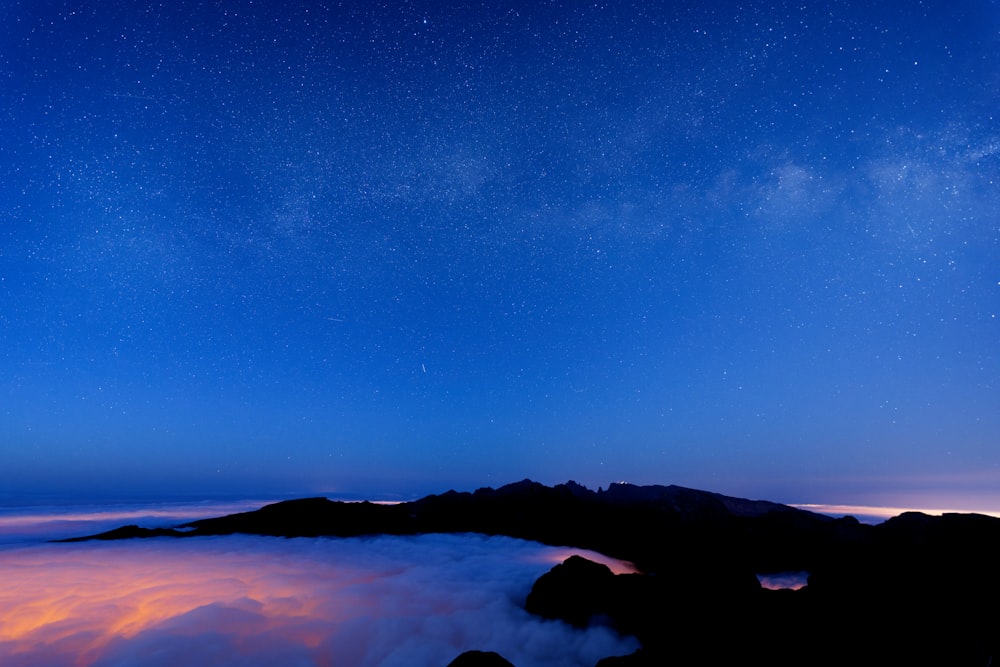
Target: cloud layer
<point>244,600</point>
<point>20,524</point>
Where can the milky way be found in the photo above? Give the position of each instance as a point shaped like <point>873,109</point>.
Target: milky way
<point>404,247</point>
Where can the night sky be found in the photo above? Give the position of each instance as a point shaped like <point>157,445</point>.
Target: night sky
<point>396,248</point>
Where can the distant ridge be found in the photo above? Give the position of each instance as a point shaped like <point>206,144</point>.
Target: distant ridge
<point>624,521</point>
<point>685,500</point>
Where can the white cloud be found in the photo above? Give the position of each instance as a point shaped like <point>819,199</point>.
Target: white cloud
<point>242,600</point>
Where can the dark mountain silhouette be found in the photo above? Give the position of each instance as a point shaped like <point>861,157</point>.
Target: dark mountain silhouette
<point>915,590</point>
<point>480,659</point>
<point>625,521</point>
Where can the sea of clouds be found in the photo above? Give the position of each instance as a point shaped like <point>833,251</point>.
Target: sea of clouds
<point>254,601</point>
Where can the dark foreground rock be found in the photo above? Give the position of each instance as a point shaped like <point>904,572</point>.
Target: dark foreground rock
<point>575,591</point>
<point>480,659</point>
<point>915,590</point>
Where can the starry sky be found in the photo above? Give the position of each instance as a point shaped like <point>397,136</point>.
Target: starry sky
<point>400,247</point>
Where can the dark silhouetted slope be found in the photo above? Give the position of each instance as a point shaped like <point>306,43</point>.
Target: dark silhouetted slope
<point>915,590</point>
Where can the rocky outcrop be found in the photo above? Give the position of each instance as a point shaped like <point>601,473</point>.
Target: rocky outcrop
<point>480,659</point>
<point>674,616</point>
<point>574,591</point>
<point>916,590</point>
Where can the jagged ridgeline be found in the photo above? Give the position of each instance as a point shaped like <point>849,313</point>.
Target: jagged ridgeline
<point>914,590</point>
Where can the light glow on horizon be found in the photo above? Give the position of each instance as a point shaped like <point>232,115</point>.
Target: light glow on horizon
<point>553,242</point>
<point>781,581</point>
<point>58,522</point>
<point>559,554</point>
<point>883,512</point>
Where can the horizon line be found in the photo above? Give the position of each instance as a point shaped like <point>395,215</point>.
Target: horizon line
<point>882,511</point>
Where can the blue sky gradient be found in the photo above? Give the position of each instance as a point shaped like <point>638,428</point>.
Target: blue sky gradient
<point>400,247</point>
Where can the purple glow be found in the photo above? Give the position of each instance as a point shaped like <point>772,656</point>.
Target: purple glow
<point>783,580</point>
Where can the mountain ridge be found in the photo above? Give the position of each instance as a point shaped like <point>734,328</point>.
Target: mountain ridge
<point>621,521</point>
<point>696,598</point>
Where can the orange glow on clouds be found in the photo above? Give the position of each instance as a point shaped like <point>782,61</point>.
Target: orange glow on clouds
<point>247,600</point>
<point>558,554</point>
